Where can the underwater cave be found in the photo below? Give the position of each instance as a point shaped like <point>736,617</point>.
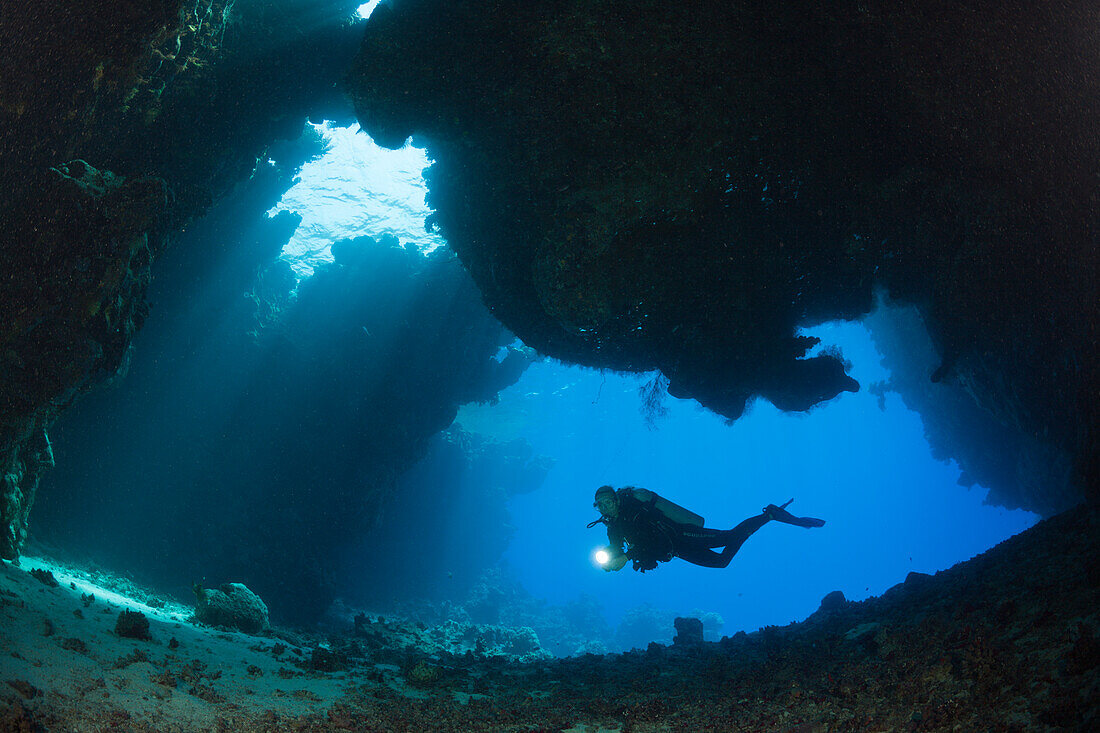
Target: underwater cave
<point>324,321</point>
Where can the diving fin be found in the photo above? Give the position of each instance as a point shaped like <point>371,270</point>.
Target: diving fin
<point>807,522</point>
<point>780,514</point>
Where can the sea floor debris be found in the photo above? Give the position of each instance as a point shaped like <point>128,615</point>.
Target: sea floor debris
<point>1006,641</point>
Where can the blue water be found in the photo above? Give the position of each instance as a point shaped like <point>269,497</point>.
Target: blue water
<point>890,507</point>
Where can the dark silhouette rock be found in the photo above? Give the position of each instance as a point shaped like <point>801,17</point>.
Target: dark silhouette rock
<point>688,631</point>
<point>133,625</point>
<point>833,601</point>
<point>628,202</point>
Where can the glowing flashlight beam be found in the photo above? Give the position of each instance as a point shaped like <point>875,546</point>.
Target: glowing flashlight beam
<point>602,556</point>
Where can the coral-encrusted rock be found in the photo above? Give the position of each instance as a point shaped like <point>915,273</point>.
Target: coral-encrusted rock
<point>326,660</point>
<point>232,605</point>
<point>73,296</point>
<point>688,631</point>
<point>128,85</point>
<point>133,625</point>
<point>23,460</point>
<point>520,642</point>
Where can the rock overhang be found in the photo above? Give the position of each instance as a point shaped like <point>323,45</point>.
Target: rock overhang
<point>638,186</point>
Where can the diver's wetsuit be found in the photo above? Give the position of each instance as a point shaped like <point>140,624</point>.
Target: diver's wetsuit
<point>652,537</point>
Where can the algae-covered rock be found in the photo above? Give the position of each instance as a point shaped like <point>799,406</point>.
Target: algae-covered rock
<point>232,605</point>
<point>133,625</point>
<point>24,456</point>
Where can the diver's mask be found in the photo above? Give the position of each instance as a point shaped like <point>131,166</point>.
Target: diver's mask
<point>607,501</point>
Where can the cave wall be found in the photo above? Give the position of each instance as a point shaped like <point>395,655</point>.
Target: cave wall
<point>638,185</point>
<point>119,125</point>
<point>257,434</point>
<point>1027,473</point>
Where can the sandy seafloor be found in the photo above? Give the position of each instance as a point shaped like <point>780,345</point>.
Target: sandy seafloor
<point>1007,641</point>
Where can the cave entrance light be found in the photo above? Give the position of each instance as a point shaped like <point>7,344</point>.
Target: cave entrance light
<point>860,461</point>
<point>356,188</point>
<point>366,9</point>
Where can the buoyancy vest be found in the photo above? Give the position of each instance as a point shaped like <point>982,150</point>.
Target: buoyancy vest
<point>648,523</point>
<point>670,509</point>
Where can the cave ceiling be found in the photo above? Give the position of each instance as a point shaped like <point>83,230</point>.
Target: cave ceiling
<point>682,186</point>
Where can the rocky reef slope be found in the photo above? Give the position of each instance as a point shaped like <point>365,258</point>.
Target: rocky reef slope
<point>1007,641</point>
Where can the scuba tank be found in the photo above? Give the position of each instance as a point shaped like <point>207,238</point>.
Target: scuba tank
<point>670,509</point>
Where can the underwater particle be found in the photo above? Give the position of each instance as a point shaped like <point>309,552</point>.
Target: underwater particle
<point>133,625</point>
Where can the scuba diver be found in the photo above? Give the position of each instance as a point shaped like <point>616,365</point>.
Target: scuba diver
<point>654,529</point>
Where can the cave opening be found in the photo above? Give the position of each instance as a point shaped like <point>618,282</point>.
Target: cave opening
<point>355,187</point>
<point>863,458</point>
<point>860,460</point>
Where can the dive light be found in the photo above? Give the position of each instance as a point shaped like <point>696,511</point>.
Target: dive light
<point>601,556</point>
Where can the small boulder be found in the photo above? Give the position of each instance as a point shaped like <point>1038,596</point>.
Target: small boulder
<point>45,577</point>
<point>232,605</point>
<point>866,636</point>
<point>326,660</point>
<point>688,631</point>
<point>133,625</point>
